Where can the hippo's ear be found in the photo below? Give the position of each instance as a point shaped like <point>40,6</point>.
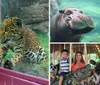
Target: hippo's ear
<point>61,11</point>
<point>92,62</point>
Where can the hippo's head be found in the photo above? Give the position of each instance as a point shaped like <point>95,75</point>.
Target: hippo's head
<point>69,24</point>
<point>75,20</point>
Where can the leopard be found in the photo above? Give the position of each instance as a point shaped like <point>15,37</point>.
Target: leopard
<point>22,41</point>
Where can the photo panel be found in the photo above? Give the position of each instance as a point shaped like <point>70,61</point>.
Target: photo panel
<point>78,64</point>
<point>74,21</point>
<point>24,42</point>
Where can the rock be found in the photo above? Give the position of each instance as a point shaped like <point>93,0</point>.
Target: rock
<point>53,8</point>
<point>43,27</point>
<point>31,12</point>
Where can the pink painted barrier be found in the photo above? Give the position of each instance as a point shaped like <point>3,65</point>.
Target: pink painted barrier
<point>10,77</point>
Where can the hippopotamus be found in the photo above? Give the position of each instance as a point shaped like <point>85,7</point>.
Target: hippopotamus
<point>69,24</point>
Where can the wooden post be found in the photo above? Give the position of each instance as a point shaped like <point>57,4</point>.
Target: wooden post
<point>97,48</point>
<point>59,51</point>
<point>64,46</point>
<point>85,53</point>
<point>53,54</point>
<point>70,57</point>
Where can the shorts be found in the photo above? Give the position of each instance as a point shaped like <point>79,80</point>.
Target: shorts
<point>63,73</point>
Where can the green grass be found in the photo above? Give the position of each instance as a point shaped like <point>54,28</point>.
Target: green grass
<point>44,40</point>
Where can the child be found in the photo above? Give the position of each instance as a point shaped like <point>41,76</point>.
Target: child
<point>64,65</point>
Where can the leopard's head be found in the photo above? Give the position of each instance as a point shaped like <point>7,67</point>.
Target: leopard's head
<point>11,29</point>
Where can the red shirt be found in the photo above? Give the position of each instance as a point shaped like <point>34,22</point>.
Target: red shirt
<point>74,67</point>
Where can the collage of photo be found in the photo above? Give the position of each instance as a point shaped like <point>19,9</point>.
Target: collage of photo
<point>49,42</point>
<point>74,42</point>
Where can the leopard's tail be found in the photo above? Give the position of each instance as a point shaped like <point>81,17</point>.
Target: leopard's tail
<point>36,56</point>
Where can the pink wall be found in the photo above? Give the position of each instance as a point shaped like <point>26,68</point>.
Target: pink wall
<point>10,77</point>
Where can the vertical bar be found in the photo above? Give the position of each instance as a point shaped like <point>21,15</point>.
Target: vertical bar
<point>97,48</point>
<point>58,54</point>
<point>70,57</point>
<point>53,55</point>
<point>64,46</point>
<point>60,50</point>
<point>60,47</point>
<point>79,46</point>
<point>72,53</point>
<point>85,53</point>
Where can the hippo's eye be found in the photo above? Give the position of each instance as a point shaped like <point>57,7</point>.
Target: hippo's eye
<point>69,12</point>
<point>75,10</point>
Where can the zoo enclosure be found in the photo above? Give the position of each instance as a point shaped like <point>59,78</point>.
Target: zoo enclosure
<point>10,77</point>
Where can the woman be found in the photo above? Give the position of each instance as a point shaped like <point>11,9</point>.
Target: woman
<point>79,61</point>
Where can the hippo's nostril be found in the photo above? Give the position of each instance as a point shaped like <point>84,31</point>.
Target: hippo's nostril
<point>69,17</point>
<point>80,11</point>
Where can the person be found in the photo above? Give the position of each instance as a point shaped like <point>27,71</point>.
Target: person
<point>78,63</point>
<point>64,65</point>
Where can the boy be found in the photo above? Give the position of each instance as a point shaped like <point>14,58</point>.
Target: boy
<point>64,65</point>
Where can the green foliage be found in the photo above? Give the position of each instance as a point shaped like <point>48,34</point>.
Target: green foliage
<point>44,40</point>
<point>9,54</point>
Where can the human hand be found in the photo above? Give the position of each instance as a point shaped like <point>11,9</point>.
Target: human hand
<point>59,71</point>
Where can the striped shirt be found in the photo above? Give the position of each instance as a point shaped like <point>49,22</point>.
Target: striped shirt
<point>64,64</point>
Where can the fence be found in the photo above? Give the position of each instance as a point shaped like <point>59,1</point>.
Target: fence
<point>10,77</point>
